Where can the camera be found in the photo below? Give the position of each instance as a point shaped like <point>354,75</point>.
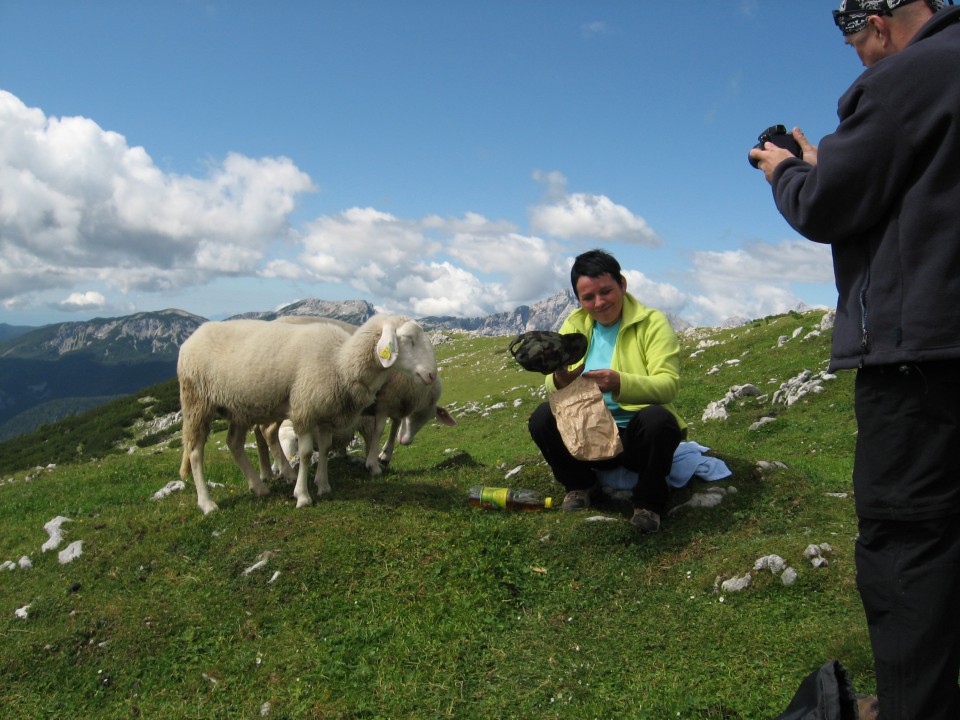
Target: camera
<point>778,135</point>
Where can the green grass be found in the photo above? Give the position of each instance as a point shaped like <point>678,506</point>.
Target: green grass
<point>394,599</point>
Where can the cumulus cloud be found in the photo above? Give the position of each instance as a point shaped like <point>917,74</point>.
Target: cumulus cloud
<point>584,215</point>
<point>76,201</point>
<point>756,280</point>
<point>593,28</point>
<point>465,266</point>
<point>80,209</point>
<point>90,300</point>
<point>663,296</point>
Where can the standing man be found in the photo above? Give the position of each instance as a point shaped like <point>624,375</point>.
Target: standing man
<point>884,191</point>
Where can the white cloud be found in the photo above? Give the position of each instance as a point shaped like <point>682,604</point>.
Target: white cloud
<point>584,215</point>
<point>465,266</point>
<point>87,301</point>
<point>662,296</point>
<point>81,209</point>
<point>77,202</point>
<point>756,280</point>
<point>593,28</point>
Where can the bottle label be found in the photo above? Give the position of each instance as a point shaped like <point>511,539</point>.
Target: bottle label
<point>494,497</point>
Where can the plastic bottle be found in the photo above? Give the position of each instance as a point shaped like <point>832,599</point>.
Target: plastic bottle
<point>508,498</point>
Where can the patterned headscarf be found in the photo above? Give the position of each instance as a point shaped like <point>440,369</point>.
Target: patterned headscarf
<point>852,16</point>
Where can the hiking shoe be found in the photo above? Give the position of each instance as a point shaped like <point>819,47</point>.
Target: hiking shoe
<point>646,521</point>
<point>544,351</point>
<point>576,500</point>
<point>867,707</point>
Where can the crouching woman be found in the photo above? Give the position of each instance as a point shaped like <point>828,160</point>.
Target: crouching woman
<point>633,356</point>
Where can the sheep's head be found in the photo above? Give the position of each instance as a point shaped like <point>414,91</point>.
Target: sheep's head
<point>407,347</point>
<point>411,424</point>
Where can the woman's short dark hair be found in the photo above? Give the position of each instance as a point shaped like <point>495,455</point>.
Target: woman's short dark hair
<point>594,264</point>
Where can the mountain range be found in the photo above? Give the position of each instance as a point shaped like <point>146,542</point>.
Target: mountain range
<point>49,372</point>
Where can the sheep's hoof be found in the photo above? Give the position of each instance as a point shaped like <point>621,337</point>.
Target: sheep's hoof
<point>304,502</point>
<point>374,470</point>
<point>260,490</point>
<point>208,507</point>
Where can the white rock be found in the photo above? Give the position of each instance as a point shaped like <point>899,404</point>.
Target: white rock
<point>170,487</point>
<point>774,563</point>
<point>25,563</point>
<point>789,576</point>
<point>22,612</point>
<point>736,584</point>
<point>716,410</point>
<point>748,390</point>
<point>55,531</point>
<point>71,552</point>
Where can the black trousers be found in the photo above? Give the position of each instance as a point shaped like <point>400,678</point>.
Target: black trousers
<point>908,552</point>
<point>649,442</point>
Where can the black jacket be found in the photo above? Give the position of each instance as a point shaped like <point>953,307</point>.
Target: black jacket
<point>885,194</point>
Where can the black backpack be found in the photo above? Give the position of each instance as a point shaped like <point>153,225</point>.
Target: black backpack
<point>825,694</point>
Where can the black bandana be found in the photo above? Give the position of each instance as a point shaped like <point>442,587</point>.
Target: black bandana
<point>852,16</point>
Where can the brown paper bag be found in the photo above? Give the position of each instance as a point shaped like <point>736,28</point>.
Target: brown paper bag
<point>587,427</point>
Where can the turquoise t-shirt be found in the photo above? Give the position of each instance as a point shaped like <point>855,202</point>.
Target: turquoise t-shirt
<point>599,357</point>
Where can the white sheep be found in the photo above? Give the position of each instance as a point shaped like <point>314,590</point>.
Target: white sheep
<point>279,441</point>
<point>317,374</point>
<point>409,406</point>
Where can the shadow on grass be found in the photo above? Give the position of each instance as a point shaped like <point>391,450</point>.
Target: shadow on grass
<point>683,524</point>
<point>435,488</point>
<point>442,487</point>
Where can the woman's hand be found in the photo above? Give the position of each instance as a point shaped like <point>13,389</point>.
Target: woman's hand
<point>563,377</point>
<point>607,380</point>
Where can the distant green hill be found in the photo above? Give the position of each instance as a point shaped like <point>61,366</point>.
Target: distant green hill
<point>94,433</point>
<point>50,372</point>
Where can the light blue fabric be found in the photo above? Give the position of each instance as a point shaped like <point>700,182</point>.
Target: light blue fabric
<point>688,460</point>
<point>600,357</point>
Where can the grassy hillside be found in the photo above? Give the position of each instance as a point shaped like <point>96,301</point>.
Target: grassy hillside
<point>394,599</point>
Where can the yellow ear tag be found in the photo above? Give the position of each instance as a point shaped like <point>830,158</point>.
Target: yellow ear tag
<point>386,352</point>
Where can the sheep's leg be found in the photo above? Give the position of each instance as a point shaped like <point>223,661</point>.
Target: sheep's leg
<point>386,455</point>
<point>300,491</point>
<point>321,480</point>
<point>263,452</point>
<point>193,462</point>
<point>196,430</point>
<point>371,442</point>
<point>236,436</point>
<point>272,436</point>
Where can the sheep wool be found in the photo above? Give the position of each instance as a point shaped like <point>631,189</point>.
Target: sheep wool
<point>319,375</point>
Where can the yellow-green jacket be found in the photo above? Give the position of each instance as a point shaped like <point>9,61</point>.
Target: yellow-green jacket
<point>647,356</point>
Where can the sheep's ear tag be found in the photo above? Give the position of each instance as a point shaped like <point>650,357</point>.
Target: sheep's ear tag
<point>387,351</point>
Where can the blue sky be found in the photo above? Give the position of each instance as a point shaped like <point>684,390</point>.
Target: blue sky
<point>434,158</point>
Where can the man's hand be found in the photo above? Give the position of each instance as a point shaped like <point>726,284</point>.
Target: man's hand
<point>770,156</point>
<point>809,149</point>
